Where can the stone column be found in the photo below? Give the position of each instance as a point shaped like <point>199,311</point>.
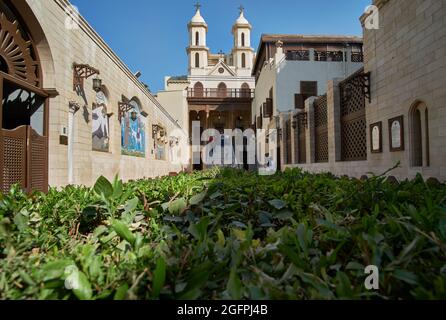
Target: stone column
<point>334,121</point>
<point>293,138</point>
<point>309,134</point>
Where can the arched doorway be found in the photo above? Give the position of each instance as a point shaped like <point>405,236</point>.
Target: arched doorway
<point>24,107</point>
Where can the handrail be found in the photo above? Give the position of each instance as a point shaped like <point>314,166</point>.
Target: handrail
<point>220,93</point>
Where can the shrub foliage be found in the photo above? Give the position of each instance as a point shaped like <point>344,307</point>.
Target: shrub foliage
<point>225,235</point>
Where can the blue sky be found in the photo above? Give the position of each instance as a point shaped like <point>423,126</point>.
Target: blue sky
<point>151,36</point>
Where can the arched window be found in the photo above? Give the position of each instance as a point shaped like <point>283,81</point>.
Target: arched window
<point>246,91</point>
<point>198,90</point>
<point>197,60</point>
<point>197,38</point>
<point>222,90</point>
<point>243,39</point>
<point>419,135</point>
<point>243,60</point>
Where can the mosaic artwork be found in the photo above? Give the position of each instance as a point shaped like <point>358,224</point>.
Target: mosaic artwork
<point>133,132</point>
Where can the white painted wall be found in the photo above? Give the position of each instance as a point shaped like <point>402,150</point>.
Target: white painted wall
<point>291,73</point>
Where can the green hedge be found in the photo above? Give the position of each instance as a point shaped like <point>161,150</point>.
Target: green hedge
<point>225,235</point>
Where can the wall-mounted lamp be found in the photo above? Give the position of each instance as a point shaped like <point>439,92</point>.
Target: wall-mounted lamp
<point>97,84</point>
<point>80,73</point>
<point>144,114</point>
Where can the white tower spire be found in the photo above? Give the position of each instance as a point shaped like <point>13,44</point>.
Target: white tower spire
<point>197,50</point>
<point>242,51</point>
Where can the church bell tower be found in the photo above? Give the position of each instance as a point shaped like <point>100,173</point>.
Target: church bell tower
<point>197,50</point>
<point>242,52</point>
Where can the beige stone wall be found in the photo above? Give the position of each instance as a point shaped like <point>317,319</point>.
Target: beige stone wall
<point>82,45</point>
<point>406,58</point>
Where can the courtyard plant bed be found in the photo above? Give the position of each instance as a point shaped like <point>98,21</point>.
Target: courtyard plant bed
<point>226,235</point>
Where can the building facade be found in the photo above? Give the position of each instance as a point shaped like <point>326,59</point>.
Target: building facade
<point>219,87</point>
<point>291,68</point>
<point>71,109</point>
<point>390,113</point>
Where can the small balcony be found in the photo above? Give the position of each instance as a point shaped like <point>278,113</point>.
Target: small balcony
<point>230,94</point>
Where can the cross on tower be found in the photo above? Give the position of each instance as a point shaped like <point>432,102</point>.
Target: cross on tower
<point>242,9</point>
<point>197,5</point>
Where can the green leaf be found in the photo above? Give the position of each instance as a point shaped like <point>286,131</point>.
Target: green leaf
<point>103,187</point>
<point>121,292</point>
<point>278,204</point>
<point>197,199</point>
<point>56,269</point>
<point>123,231</point>
<point>343,286</point>
<point>199,230</point>
<point>159,277</point>
<point>406,276</point>
<point>77,281</point>
<point>177,206</point>
<point>234,286</point>
<point>221,238</point>
<point>130,205</point>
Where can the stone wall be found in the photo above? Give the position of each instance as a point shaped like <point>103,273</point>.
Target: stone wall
<point>59,47</point>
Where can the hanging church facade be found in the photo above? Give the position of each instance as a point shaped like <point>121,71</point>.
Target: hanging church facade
<point>71,110</point>
<point>219,88</point>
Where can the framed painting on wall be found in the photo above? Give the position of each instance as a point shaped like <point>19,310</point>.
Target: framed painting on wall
<point>396,134</point>
<point>376,137</point>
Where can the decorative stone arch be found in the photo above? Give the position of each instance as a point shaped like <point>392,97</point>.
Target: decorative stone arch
<point>419,135</point>
<point>41,47</point>
<point>222,90</point>
<point>26,58</point>
<point>138,102</point>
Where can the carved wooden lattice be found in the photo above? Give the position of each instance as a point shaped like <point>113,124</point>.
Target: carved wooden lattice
<point>17,52</point>
<point>301,138</point>
<point>353,122</point>
<point>13,158</point>
<point>321,129</point>
<point>37,161</point>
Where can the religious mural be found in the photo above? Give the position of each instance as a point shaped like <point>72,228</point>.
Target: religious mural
<point>100,129</point>
<point>133,132</point>
<point>159,142</point>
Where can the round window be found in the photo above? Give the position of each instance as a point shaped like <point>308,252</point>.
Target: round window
<point>221,70</point>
